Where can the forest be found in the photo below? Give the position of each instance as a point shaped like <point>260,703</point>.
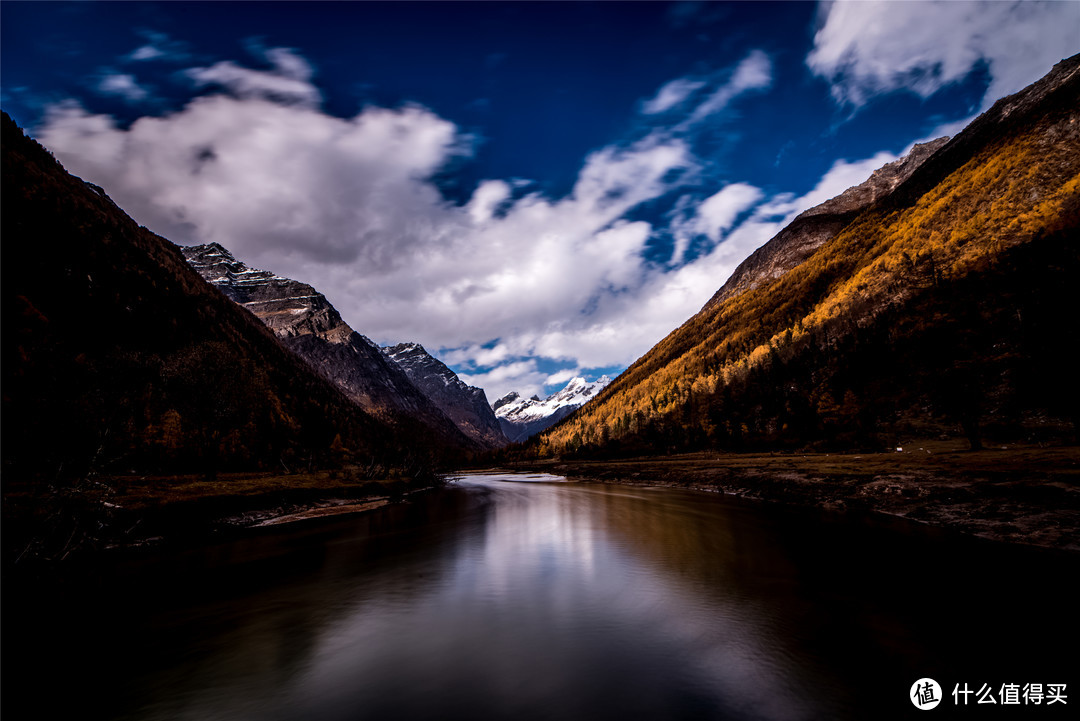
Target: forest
<point>946,309</point>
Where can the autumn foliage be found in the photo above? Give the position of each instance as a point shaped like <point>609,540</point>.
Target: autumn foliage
<point>949,307</point>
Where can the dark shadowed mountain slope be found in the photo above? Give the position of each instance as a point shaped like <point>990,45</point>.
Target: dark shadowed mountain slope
<point>118,357</point>
<point>465,405</point>
<point>306,323</point>
<point>947,305</point>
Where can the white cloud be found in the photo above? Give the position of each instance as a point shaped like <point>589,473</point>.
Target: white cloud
<point>123,85</point>
<point>158,47</point>
<point>272,181</point>
<point>718,212</point>
<point>288,63</point>
<point>753,73</point>
<point>694,283</point>
<point>562,377</point>
<point>521,376</point>
<point>146,52</point>
<point>487,198</point>
<point>349,205</point>
<point>624,326</point>
<point>616,179</point>
<point>478,356</point>
<point>711,217</point>
<point>671,95</point>
<point>289,81</point>
<point>842,175</point>
<point>868,48</point>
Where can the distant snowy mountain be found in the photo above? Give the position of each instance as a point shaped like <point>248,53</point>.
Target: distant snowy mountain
<point>521,418</point>
<point>465,405</point>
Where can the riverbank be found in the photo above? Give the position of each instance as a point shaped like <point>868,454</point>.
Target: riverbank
<point>1017,494</point>
<point>1027,495</point>
<point>45,526</point>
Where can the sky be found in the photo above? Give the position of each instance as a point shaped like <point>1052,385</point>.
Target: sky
<point>533,191</point>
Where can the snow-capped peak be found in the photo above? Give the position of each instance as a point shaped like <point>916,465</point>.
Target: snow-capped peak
<point>513,407</point>
<point>523,417</point>
<point>576,382</point>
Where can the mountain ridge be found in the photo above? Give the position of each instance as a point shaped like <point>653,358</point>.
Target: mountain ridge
<point>812,228</point>
<point>522,418</point>
<point>308,324</point>
<point>896,183</point>
<point>120,358</point>
<point>465,405</point>
<point>862,340</point>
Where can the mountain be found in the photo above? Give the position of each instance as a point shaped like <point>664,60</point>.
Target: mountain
<point>522,418</point>
<point>119,358</point>
<point>465,405</point>
<point>942,303</point>
<point>813,227</point>
<point>306,323</point>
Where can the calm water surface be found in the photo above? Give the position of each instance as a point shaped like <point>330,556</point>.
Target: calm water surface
<point>523,597</point>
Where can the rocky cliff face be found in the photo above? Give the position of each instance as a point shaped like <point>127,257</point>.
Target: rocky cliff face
<point>812,228</point>
<point>467,406</point>
<point>288,307</point>
<point>881,182</point>
<point>306,323</point>
<point>521,418</point>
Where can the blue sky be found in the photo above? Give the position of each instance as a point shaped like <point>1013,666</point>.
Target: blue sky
<point>531,190</point>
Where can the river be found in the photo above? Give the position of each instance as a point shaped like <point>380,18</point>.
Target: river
<point>514,596</point>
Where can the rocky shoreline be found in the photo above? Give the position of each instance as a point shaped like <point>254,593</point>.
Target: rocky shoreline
<point>1021,495</point>
<point>1016,495</point>
<point>111,517</point>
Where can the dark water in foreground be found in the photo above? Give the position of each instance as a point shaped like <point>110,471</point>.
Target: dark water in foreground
<point>508,597</point>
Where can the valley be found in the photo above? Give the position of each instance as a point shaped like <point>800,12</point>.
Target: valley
<point>539,361</point>
<point>859,327</point>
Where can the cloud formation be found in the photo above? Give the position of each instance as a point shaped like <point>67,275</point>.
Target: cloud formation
<point>124,85</point>
<point>146,52</point>
<point>710,218</point>
<point>158,47</point>
<point>671,95</point>
<point>289,81</point>
<point>349,205</point>
<point>843,174</point>
<point>718,212</point>
<point>868,48</point>
<point>754,72</point>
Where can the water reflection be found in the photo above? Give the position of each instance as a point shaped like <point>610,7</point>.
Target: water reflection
<point>527,598</point>
<point>543,614</point>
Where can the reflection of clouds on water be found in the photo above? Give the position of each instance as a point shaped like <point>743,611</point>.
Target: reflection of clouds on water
<point>542,599</point>
<point>532,545</point>
<point>546,612</point>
